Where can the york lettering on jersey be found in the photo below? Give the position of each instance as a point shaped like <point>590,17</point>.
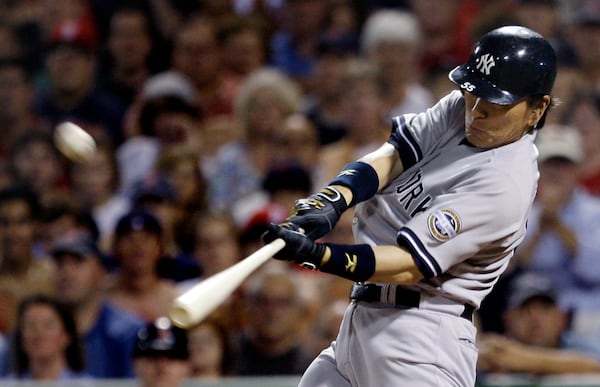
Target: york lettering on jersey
<point>411,195</point>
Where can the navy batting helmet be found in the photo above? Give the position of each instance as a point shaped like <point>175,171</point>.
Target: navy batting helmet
<point>508,64</point>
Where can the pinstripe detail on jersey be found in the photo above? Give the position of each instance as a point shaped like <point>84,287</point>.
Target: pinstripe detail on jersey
<point>401,138</point>
<point>424,261</point>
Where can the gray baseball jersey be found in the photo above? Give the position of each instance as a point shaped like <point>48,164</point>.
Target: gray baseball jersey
<point>460,210</point>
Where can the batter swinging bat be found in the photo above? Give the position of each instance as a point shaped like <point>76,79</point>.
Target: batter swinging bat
<point>199,301</point>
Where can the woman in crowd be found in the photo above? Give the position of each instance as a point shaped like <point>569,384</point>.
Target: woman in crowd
<point>46,347</point>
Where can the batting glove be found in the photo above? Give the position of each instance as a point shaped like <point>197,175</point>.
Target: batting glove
<point>319,213</point>
<point>298,247</point>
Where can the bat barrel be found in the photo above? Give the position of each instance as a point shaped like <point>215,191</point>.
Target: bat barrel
<point>195,304</point>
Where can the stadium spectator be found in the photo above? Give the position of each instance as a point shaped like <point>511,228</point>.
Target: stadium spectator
<point>391,39</point>
<point>211,354</point>
<point>16,96</point>
<point>39,164</point>
<point>584,114</point>
<point>563,233</point>
<point>323,104</point>
<point>215,245</point>
<point>271,341</point>
<point>71,92</point>
<point>364,116</point>
<point>95,187</point>
<point>446,29</point>
<point>293,46</point>
<point>285,183</point>
<point>180,167</point>
<point>297,143</point>
<point>21,273</point>
<point>167,118</point>
<point>60,217</point>
<point>155,195</point>
<point>244,46</point>
<point>107,333</point>
<point>131,47</point>
<point>266,98</point>
<point>46,345</point>
<point>138,248</point>
<point>161,355</point>
<point>586,34</point>
<point>218,131</point>
<point>537,339</point>
<point>197,55</point>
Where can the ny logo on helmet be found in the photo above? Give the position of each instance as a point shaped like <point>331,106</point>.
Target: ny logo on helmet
<point>485,63</point>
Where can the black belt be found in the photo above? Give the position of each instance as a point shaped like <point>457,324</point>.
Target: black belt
<point>402,297</point>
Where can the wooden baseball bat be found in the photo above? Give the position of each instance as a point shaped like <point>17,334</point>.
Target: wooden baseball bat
<point>195,304</point>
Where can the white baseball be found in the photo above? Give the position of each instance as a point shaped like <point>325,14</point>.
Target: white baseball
<point>73,142</point>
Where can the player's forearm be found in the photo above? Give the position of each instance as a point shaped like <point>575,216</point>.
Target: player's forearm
<point>386,162</point>
<point>392,265</point>
<point>395,265</point>
<point>360,180</point>
<point>551,361</point>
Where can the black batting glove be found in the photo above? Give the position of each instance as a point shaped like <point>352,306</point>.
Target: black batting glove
<point>317,214</point>
<point>298,247</point>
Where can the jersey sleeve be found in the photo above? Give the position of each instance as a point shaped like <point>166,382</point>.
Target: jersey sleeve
<point>483,217</point>
<point>414,135</point>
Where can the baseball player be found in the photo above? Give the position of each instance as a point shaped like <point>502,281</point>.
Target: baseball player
<point>440,208</point>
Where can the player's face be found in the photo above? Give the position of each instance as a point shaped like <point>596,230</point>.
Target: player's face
<point>489,125</point>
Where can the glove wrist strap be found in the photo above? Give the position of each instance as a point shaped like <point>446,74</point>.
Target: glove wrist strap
<point>354,262</point>
<point>335,197</point>
<point>313,259</point>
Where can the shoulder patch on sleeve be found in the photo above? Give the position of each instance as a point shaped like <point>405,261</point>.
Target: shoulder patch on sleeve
<point>444,224</point>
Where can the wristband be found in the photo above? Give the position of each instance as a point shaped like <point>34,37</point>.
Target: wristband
<point>360,178</point>
<point>354,262</point>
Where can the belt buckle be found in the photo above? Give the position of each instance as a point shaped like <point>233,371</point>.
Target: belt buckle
<point>357,292</point>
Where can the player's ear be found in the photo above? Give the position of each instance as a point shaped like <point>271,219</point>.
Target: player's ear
<point>537,109</point>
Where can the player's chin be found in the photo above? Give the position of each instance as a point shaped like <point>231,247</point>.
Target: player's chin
<point>478,139</point>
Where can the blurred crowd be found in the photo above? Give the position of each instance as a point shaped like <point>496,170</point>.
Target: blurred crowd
<point>211,117</point>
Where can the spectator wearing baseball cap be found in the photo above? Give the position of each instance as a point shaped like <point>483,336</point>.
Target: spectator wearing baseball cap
<point>563,230</point>
<point>561,142</point>
<point>155,195</point>
<point>538,339</point>
<point>137,220</point>
<point>108,332</point>
<point>152,189</point>
<point>161,354</point>
<point>79,35</point>
<point>564,225</point>
<point>71,92</point>
<point>138,249</point>
<point>531,287</point>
